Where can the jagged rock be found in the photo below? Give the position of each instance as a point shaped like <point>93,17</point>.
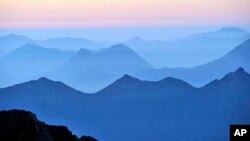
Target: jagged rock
<point>19,125</point>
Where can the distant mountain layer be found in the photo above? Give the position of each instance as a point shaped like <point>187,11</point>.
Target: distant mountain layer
<point>28,61</point>
<point>201,75</point>
<point>91,71</point>
<point>19,125</point>
<point>196,49</point>
<point>131,109</point>
<point>10,42</point>
<point>189,51</point>
<point>85,70</point>
<point>224,32</point>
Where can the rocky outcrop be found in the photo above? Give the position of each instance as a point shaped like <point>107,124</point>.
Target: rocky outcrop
<point>19,125</point>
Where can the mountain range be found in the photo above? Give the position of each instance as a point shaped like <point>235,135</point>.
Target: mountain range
<point>189,51</point>
<point>201,75</point>
<point>86,70</point>
<point>196,49</point>
<point>91,71</point>
<point>115,93</point>
<point>28,61</point>
<point>12,41</point>
<point>132,109</point>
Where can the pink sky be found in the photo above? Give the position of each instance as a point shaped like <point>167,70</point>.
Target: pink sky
<point>116,13</point>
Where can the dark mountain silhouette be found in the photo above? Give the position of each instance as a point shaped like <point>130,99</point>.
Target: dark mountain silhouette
<point>133,86</point>
<point>42,88</point>
<point>19,125</point>
<point>189,51</point>
<point>93,70</point>
<point>201,75</point>
<point>87,138</point>
<point>11,42</point>
<point>30,60</point>
<point>131,109</point>
<point>237,78</point>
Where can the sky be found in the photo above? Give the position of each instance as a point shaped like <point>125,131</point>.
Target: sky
<point>121,13</point>
<point>120,19</point>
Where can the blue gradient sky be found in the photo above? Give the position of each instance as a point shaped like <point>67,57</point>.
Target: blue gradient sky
<point>121,13</point>
<point>120,19</point>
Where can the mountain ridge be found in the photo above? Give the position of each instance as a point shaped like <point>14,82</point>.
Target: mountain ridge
<point>200,75</point>
<point>31,60</point>
<point>196,49</point>
<point>93,70</point>
<point>239,73</point>
<point>142,104</point>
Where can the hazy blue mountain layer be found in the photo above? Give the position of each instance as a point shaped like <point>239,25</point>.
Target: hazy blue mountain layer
<point>11,42</point>
<point>91,71</point>
<point>131,109</point>
<point>189,51</point>
<point>28,61</point>
<point>201,75</point>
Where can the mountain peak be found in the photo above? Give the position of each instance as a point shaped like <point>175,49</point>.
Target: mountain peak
<point>114,48</point>
<point>119,48</point>
<point>44,86</point>
<point>127,78</point>
<point>238,77</point>
<point>16,37</point>
<point>233,30</point>
<point>12,35</point>
<point>238,74</point>
<point>240,71</point>
<point>136,39</point>
<point>43,79</point>
<point>83,51</point>
<point>174,81</point>
<point>29,46</point>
